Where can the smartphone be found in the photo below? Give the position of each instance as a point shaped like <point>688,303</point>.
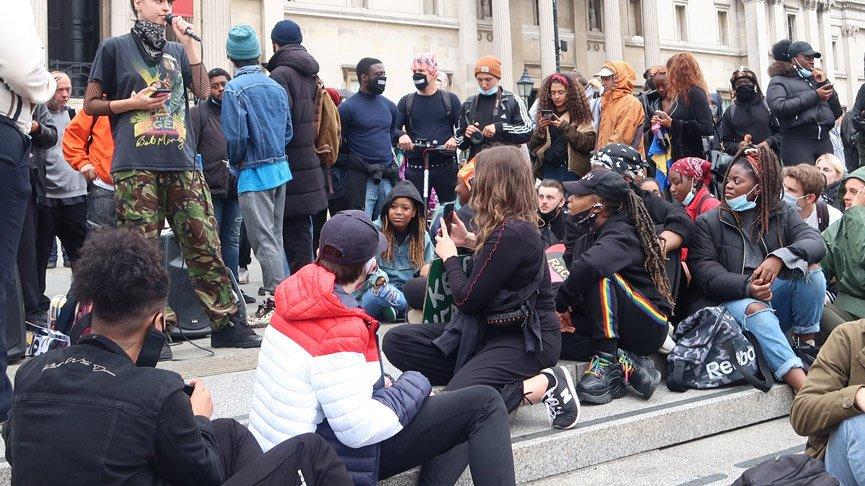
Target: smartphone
<point>188,389</point>
<point>159,91</point>
<point>547,114</point>
<point>448,214</point>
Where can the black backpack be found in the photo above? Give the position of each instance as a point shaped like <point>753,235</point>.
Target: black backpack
<point>713,351</point>
<point>789,470</point>
<point>409,104</point>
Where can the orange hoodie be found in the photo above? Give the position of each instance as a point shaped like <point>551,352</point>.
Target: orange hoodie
<point>101,149</point>
<point>621,112</point>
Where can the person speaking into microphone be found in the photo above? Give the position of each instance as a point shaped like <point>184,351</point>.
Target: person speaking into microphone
<point>139,80</point>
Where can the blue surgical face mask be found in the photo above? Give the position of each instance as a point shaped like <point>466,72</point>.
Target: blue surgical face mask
<point>741,203</point>
<point>488,92</point>
<point>805,73</point>
<point>688,198</point>
<point>792,200</point>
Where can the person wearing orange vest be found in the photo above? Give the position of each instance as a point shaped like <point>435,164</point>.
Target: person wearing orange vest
<point>88,147</point>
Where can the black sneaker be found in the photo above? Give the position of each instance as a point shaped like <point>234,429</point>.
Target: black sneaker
<point>602,381</point>
<point>262,291</point>
<point>640,373</point>
<point>247,298</point>
<point>560,399</point>
<point>235,335</point>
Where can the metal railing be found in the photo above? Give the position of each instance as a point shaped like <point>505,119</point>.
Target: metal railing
<point>78,72</point>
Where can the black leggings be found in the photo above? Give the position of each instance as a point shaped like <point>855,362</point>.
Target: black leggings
<point>469,426</point>
<point>796,151</point>
<point>501,361</point>
<point>613,314</point>
<point>306,459</point>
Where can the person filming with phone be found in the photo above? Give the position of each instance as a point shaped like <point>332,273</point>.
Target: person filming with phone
<point>564,134</point>
<point>804,101</point>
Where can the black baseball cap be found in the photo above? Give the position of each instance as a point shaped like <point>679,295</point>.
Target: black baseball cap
<point>353,236</point>
<point>607,184</point>
<point>801,47</point>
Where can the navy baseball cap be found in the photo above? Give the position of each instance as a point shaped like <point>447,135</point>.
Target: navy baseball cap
<point>801,47</point>
<point>605,183</point>
<point>353,236</point>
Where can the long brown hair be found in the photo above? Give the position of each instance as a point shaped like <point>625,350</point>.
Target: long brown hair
<point>683,73</point>
<point>503,189</point>
<point>576,104</point>
<point>417,236</point>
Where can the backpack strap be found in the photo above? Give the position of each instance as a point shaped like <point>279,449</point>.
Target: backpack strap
<point>409,104</point>
<point>675,380</point>
<point>768,380</point>
<point>822,215</point>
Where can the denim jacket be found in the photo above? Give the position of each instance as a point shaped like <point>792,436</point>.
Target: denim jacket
<point>255,119</point>
<point>400,270</point>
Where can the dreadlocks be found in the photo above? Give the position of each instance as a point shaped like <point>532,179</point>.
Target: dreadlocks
<point>416,240</point>
<point>655,257</point>
<point>762,164</point>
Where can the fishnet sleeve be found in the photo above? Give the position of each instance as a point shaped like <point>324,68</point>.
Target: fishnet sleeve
<point>95,103</point>
<point>200,81</point>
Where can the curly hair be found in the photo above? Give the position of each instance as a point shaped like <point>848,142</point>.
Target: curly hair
<point>645,228</point>
<point>771,181</point>
<point>416,231</point>
<point>576,104</point>
<point>683,73</point>
<point>122,275</point>
<point>503,189</point>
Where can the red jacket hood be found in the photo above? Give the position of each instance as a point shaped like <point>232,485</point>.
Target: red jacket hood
<point>308,296</point>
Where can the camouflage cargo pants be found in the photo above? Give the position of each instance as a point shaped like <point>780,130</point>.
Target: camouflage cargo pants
<point>145,198</point>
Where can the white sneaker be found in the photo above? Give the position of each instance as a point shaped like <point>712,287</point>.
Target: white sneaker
<point>243,275</point>
<point>669,344</point>
<point>414,316</point>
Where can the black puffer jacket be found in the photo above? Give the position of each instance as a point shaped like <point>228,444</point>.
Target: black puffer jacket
<point>794,101</point>
<point>295,69</point>
<point>210,143</point>
<point>716,256</point>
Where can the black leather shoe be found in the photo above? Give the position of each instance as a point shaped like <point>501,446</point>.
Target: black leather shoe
<point>602,381</point>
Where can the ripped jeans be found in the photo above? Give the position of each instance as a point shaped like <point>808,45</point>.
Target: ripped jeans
<point>796,303</point>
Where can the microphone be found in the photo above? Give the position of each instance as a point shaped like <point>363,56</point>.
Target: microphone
<point>169,18</point>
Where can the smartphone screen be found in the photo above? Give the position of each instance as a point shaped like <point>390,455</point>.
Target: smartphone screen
<point>159,91</point>
<point>547,114</point>
<point>448,214</point>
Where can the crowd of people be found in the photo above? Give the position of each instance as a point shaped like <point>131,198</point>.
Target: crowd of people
<point>661,203</point>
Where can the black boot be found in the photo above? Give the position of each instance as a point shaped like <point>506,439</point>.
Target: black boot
<point>235,335</point>
<point>640,373</point>
<point>602,381</point>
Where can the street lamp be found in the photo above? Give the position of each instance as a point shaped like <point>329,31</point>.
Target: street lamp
<point>525,85</point>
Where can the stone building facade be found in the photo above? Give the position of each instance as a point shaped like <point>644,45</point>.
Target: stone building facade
<point>722,34</point>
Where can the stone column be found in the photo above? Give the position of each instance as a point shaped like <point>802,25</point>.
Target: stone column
<point>547,37</point>
<point>40,15</point>
<point>779,20</point>
<point>121,17</point>
<point>465,80</point>
<point>272,11</point>
<point>215,22</point>
<point>828,59</point>
<point>651,38</point>
<point>848,32</point>
<point>440,7</point>
<point>613,30</point>
<point>581,40</point>
<point>812,29</point>
<point>757,38</point>
<point>502,41</point>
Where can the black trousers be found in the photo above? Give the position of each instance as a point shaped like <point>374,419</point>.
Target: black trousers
<point>297,242</point>
<point>500,362</point>
<point>442,178</point>
<point>318,221</point>
<point>796,151</point>
<point>69,223</point>
<point>14,191</point>
<point>611,315</point>
<point>245,249</point>
<point>27,267</point>
<point>467,426</point>
<point>303,460</point>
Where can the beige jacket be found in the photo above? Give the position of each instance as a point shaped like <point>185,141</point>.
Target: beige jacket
<point>827,397</point>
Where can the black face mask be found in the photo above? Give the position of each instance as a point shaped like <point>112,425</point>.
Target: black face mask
<point>420,81</point>
<point>746,92</point>
<point>376,84</point>
<point>151,349</point>
<point>586,218</point>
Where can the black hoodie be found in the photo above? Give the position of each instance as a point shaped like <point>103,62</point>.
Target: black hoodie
<point>296,70</point>
<point>404,189</point>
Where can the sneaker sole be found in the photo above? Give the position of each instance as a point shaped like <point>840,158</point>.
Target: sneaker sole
<point>570,380</point>
<point>603,399</point>
<point>235,345</point>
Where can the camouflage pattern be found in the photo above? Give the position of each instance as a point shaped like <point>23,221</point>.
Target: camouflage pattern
<point>702,352</point>
<point>145,198</point>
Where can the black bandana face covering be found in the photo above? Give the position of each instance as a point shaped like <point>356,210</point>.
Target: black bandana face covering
<point>151,36</point>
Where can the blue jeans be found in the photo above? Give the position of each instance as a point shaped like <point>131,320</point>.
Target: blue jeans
<point>375,196</point>
<point>796,304</point>
<point>375,301</point>
<point>227,214</point>
<point>845,453</point>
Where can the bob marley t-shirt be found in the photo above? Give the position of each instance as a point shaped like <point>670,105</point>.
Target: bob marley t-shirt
<point>155,140</point>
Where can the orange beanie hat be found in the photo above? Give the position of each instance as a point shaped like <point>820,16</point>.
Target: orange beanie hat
<point>489,65</point>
